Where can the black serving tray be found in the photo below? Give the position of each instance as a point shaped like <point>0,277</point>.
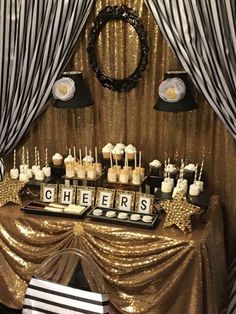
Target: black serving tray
<point>126,222</point>
<point>202,200</point>
<point>37,208</point>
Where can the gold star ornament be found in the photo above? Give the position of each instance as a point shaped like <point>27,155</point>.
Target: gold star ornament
<point>179,212</point>
<point>9,190</point>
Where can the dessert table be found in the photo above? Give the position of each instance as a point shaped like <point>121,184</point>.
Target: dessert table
<point>146,271</point>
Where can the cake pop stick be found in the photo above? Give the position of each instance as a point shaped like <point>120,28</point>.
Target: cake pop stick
<point>69,151</point>
<point>80,156</point>
<point>111,163</point>
<point>140,159</point>
<point>201,169</point>
<point>125,159</point>
<point>181,173</point>
<point>86,151</point>
<point>23,155</point>
<point>27,157</point>
<point>74,152</point>
<point>96,155</point>
<point>38,159</point>
<point>90,154</point>
<point>195,176</point>
<point>14,159</point>
<point>46,157</point>
<point>35,156</point>
<point>165,167</point>
<point>168,161</point>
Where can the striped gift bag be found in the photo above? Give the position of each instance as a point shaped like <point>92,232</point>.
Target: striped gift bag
<point>43,296</point>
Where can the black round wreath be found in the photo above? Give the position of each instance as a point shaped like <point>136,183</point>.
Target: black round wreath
<point>108,14</point>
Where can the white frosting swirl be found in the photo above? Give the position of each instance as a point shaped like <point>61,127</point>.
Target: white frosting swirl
<point>130,149</point>
<point>117,151</point>
<point>170,168</point>
<point>120,145</point>
<point>107,148</point>
<point>57,156</point>
<point>190,167</point>
<point>155,163</point>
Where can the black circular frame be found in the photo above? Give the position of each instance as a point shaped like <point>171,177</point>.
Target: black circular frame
<point>128,15</point>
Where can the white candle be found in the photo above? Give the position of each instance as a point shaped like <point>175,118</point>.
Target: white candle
<point>74,153</point>
<point>86,151</point>
<point>135,160</point>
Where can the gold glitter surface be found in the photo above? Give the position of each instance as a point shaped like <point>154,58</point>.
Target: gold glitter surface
<point>9,190</point>
<point>146,271</point>
<point>78,230</point>
<point>179,212</point>
<point>130,117</point>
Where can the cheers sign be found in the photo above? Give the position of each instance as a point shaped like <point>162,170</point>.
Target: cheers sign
<point>101,197</point>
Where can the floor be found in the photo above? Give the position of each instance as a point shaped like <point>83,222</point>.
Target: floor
<point>78,280</point>
<point>7,310</point>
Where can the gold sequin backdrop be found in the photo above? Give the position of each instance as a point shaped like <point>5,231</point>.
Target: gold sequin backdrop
<point>130,118</point>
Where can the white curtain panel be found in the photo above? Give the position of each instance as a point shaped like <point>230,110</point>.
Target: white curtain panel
<point>202,33</point>
<point>37,39</point>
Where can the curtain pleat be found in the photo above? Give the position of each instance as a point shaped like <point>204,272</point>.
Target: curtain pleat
<point>36,42</point>
<point>202,34</point>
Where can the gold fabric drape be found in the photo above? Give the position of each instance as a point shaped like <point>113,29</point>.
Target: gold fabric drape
<point>146,271</point>
<point>130,118</point>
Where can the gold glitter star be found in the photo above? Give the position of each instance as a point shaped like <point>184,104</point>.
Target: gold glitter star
<point>179,212</point>
<point>9,190</point>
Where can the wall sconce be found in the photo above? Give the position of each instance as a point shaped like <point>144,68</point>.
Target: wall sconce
<point>175,94</point>
<point>70,91</point>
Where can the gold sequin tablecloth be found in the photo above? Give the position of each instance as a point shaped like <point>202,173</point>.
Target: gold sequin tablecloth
<point>147,271</point>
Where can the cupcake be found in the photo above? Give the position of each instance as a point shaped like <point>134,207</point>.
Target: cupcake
<point>190,168</point>
<point>117,153</point>
<point>106,150</point>
<point>170,168</point>
<point>189,172</point>
<point>57,159</point>
<point>130,151</point>
<point>121,146</point>
<point>155,167</point>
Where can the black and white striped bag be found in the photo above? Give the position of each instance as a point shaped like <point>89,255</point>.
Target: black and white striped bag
<point>47,297</point>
